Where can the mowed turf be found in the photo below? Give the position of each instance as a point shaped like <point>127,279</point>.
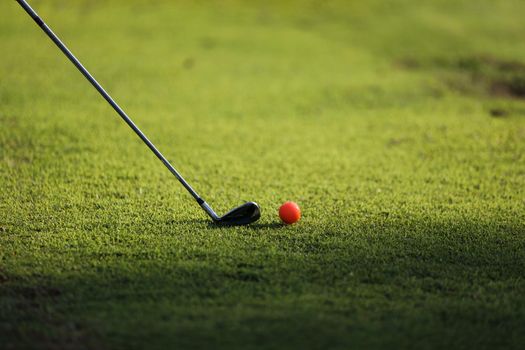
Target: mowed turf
<point>398,128</point>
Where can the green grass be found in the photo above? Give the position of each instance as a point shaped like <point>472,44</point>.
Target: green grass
<point>398,128</point>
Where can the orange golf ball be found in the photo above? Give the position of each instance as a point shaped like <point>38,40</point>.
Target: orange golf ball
<point>289,212</point>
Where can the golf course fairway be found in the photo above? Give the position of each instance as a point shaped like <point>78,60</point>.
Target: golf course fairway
<point>397,127</point>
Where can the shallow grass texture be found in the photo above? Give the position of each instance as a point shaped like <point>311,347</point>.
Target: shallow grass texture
<point>399,130</point>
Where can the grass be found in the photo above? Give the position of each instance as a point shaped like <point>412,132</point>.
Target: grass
<point>399,130</point>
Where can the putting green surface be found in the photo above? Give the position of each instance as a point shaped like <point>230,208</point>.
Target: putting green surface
<point>398,128</point>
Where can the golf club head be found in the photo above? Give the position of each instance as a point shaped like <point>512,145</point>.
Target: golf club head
<point>243,215</point>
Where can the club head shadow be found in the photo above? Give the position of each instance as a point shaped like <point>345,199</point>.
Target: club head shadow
<point>243,215</point>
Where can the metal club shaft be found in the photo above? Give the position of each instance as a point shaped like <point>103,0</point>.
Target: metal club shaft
<point>115,106</point>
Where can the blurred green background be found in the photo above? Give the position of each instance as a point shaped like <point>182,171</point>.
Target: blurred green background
<point>398,127</point>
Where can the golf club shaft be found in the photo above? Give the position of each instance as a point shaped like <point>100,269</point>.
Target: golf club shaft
<point>113,104</point>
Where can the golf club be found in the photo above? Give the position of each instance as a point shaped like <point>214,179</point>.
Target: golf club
<point>242,215</point>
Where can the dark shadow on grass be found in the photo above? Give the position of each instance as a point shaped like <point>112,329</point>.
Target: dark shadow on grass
<point>212,225</point>
<point>380,283</point>
<point>253,226</point>
<point>256,226</point>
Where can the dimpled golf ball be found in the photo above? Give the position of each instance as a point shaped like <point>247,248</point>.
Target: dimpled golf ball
<point>289,212</point>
